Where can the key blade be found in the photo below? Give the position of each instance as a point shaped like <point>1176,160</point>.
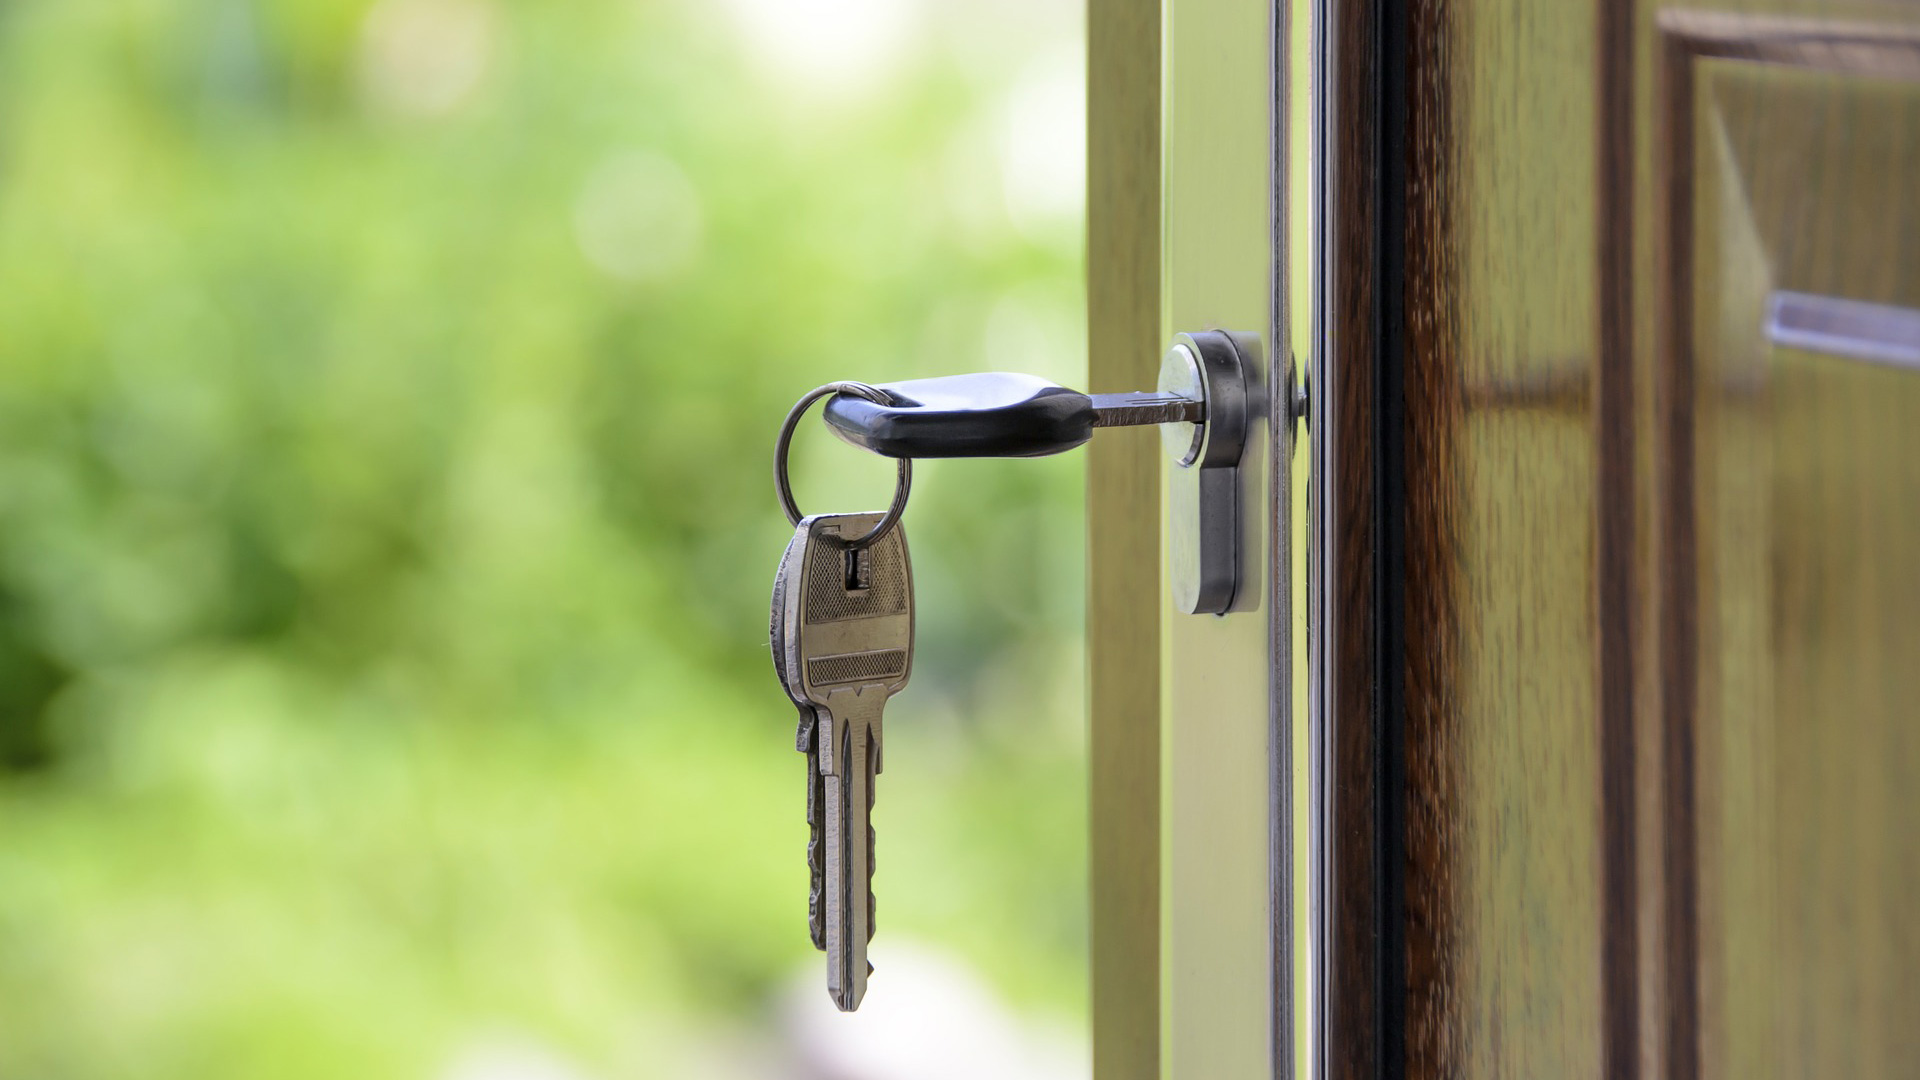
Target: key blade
<point>850,907</point>
<point>1142,407</point>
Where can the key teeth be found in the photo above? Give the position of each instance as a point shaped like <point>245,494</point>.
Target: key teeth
<point>816,919</point>
<point>816,862</point>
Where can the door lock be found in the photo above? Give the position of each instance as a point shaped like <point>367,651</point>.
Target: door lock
<point>1201,405</point>
<point>1203,486</point>
<point>841,629</point>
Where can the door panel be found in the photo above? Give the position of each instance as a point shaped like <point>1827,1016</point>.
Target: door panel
<point>1806,508</point>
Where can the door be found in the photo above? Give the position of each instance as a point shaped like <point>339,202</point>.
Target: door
<point>1620,632</point>
<point>1584,742</point>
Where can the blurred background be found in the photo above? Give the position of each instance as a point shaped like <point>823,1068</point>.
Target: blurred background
<point>387,395</point>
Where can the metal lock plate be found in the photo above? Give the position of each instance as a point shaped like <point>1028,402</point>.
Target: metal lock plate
<point>1203,482</point>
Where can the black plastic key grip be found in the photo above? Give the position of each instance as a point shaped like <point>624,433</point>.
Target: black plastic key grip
<point>989,414</point>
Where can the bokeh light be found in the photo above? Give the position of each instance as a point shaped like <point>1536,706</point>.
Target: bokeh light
<point>387,396</point>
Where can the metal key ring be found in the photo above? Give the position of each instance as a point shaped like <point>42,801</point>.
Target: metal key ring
<point>780,446</point>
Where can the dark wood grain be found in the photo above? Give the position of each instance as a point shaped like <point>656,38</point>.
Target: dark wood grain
<point>1354,1006</point>
<point>1435,399</point>
<point>1495,514</point>
<point>1508,864</point>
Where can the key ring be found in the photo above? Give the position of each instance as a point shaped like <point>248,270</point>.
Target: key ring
<point>780,446</point>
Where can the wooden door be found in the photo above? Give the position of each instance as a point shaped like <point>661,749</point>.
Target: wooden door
<point>1620,613</point>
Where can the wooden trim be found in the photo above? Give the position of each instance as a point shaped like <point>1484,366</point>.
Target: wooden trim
<point>1345,465</point>
<point>1677,630</point>
<point>1685,37</point>
<point>1869,50</point>
<point>1616,533</point>
<point>1437,398</point>
<point>1123,556</point>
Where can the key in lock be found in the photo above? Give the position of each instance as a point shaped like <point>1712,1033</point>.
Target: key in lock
<point>842,618</point>
<point>1202,403</point>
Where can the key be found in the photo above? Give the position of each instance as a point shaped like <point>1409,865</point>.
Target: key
<point>849,647</point>
<point>1000,414</point>
<point>779,635</point>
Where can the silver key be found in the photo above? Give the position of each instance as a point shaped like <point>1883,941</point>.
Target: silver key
<point>848,643</point>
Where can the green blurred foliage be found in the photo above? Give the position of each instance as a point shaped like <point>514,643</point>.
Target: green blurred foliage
<point>386,528</point>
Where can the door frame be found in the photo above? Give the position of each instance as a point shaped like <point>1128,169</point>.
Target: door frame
<point>1192,733</point>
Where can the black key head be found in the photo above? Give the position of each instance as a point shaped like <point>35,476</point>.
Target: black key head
<point>990,414</point>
